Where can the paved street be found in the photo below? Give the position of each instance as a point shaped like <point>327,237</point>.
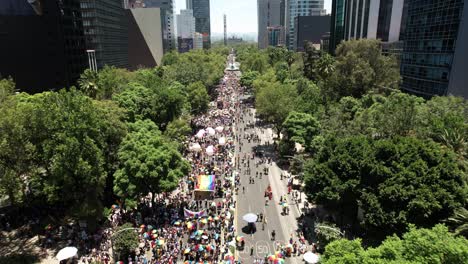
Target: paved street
<point>253,200</point>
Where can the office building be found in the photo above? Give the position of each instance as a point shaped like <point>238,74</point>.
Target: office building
<point>298,8</point>
<point>434,59</point>
<point>145,35</point>
<point>197,41</point>
<point>269,15</point>
<point>167,19</point>
<point>106,31</point>
<point>201,12</point>
<point>42,45</point>
<point>275,36</point>
<point>325,42</point>
<point>309,29</point>
<point>372,19</point>
<point>185,24</point>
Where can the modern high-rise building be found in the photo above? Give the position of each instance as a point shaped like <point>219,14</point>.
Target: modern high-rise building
<point>167,19</point>
<point>185,24</point>
<point>197,41</point>
<point>42,45</point>
<point>310,29</point>
<point>201,12</point>
<point>145,37</point>
<point>434,59</point>
<point>269,15</point>
<point>106,31</point>
<point>298,8</point>
<point>372,19</point>
<point>275,36</point>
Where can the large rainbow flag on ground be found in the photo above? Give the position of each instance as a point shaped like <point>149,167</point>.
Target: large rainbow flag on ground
<point>205,183</point>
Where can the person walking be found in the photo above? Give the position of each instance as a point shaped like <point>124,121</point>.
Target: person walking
<point>273,234</point>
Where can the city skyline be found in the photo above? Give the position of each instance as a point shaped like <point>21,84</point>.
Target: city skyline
<point>241,15</point>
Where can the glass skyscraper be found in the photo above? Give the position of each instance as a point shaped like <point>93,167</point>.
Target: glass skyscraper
<point>301,8</point>
<point>430,40</point>
<point>337,24</point>
<point>106,31</point>
<point>201,12</point>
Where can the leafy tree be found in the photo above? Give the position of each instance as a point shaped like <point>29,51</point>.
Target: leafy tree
<point>198,98</point>
<point>309,99</point>
<point>16,150</point>
<point>169,102</point>
<point>394,182</point>
<point>255,62</point>
<point>147,163</point>
<point>327,233</point>
<point>66,129</point>
<point>136,100</point>
<point>275,102</point>
<point>360,67</point>
<point>111,81</point>
<point>88,83</point>
<point>301,128</point>
<point>282,71</point>
<point>7,88</point>
<point>125,240</point>
<point>248,78</point>
<point>424,246</point>
<point>310,56</point>
<point>460,221</point>
<point>177,131</point>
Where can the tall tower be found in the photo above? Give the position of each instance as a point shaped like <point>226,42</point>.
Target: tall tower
<point>225,31</point>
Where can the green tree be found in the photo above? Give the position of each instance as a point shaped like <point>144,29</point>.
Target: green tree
<point>177,131</point>
<point>136,100</point>
<point>425,246</point>
<point>394,182</point>
<point>125,240</point>
<point>248,78</point>
<point>7,88</point>
<point>275,102</point>
<point>460,221</point>
<point>147,163</point>
<point>168,103</point>
<point>361,67</point>
<point>198,98</point>
<point>301,128</point>
<point>88,83</point>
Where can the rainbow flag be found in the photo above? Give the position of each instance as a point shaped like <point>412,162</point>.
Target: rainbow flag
<point>205,183</point>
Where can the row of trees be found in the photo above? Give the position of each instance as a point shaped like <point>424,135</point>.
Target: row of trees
<point>376,158</point>
<point>118,135</point>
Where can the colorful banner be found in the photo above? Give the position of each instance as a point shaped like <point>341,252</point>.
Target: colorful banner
<point>205,183</point>
<point>192,214</point>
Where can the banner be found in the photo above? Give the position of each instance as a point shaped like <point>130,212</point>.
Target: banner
<point>192,214</point>
<point>205,183</point>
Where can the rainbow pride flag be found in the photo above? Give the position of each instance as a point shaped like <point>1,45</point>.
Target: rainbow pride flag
<point>205,183</point>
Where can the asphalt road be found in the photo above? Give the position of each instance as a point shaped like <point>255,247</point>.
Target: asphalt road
<point>253,200</point>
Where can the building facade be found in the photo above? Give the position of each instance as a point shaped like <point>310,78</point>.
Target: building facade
<point>275,36</point>
<point>435,48</point>
<point>42,45</point>
<point>201,12</point>
<point>298,8</point>
<point>167,19</point>
<point>269,15</point>
<point>106,31</point>
<point>309,29</point>
<point>372,19</point>
<point>185,24</point>
<point>197,41</point>
<point>145,46</point>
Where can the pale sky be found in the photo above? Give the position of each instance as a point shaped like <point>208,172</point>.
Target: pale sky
<point>241,14</point>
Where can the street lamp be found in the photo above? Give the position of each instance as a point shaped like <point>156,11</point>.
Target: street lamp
<point>92,60</point>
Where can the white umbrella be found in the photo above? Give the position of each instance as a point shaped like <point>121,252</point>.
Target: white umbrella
<point>210,150</point>
<point>211,131</point>
<point>222,141</point>
<point>195,147</point>
<point>66,253</point>
<point>310,257</point>
<point>200,133</point>
<point>250,218</point>
<point>219,129</point>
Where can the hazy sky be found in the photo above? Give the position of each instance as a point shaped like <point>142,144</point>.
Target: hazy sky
<point>241,14</point>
